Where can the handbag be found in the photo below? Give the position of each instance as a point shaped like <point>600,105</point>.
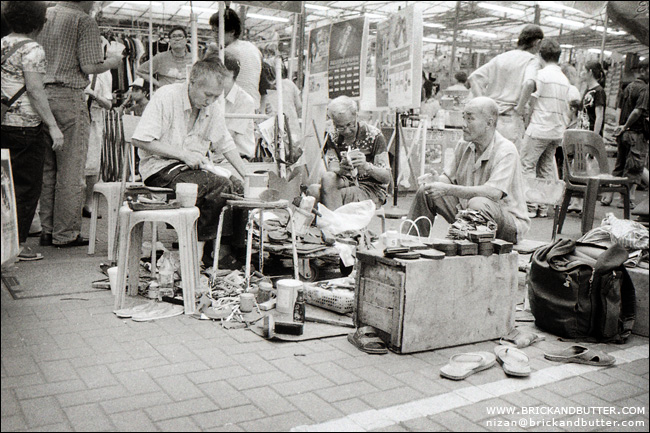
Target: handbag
<point>7,103</point>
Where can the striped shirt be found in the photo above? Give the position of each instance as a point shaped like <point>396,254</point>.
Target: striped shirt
<point>550,109</point>
<point>71,39</point>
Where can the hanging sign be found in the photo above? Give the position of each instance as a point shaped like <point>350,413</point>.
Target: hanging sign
<point>319,42</point>
<point>9,218</point>
<point>346,68</point>
<point>399,59</point>
<point>288,6</point>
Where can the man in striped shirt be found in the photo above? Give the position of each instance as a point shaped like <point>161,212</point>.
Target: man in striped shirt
<point>548,119</point>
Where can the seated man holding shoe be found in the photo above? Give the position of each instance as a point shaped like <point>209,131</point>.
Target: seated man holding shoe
<point>485,175</point>
<point>180,125</point>
<point>356,156</point>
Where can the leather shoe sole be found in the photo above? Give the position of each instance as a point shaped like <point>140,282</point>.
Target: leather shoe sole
<point>79,242</point>
<point>46,240</point>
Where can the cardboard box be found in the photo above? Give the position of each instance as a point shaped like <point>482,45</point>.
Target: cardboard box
<point>425,304</point>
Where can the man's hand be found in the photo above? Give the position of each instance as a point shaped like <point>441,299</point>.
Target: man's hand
<point>194,159</point>
<point>345,167</point>
<point>357,158</point>
<point>619,130</point>
<point>521,111</point>
<point>428,178</point>
<point>57,138</point>
<point>437,189</point>
<point>237,185</point>
<point>90,92</point>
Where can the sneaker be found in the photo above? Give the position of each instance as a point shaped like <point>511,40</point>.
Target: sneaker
<point>27,255</point>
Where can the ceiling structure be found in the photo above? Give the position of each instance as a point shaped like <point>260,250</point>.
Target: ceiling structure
<point>481,25</point>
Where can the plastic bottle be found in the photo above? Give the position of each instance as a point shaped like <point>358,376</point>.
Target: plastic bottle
<point>299,307</point>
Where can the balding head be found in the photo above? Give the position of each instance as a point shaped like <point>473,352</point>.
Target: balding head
<point>481,116</point>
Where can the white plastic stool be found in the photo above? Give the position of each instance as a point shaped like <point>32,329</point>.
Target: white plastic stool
<point>131,225</point>
<point>255,207</point>
<point>111,191</point>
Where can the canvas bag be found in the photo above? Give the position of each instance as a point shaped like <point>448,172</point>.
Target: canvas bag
<point>582,291</point>
<point>7,103</point>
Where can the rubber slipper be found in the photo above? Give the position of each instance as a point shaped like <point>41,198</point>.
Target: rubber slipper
<point>520,339</point>
<point>581,355</point>
<point>126,313</point>
<point>366,340</point>
<point>27,255</point>
<point>162,312</point>
<point>514,361</point>
<point>463,365</point>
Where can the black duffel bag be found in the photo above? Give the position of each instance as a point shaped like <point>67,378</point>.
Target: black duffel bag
<point>582,291</point>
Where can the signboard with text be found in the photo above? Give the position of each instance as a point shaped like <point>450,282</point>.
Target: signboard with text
<point>346,67</point>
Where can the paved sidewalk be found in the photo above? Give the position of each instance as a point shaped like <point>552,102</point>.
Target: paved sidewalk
<point>68,364</point>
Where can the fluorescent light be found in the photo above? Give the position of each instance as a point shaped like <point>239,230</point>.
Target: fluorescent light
<point>268,17</point>
<point>503,9</point>
<point>316,7</point>
<point>433,40</point>
<point>479,33</point>
<point>197,9</point>
<point>566,46</point>
<point>434,25</point>
<point>376,16</point>
<point>597,51</point>
<point>610,31</point>
<point>554,5</point>
<point>134,3</point>
<point>641,58</point>
<point>566,22</point>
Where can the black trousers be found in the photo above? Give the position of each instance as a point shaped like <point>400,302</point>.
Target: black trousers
<point>27,148</point>
<point>209,199</point>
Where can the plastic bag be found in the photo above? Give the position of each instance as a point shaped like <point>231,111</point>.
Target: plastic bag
<point>350,217</point>
<point>628,234</point>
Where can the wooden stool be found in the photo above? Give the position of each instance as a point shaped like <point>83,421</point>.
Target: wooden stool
<point>111,191</point>
<point>255,207</point>
<point>131,225</point>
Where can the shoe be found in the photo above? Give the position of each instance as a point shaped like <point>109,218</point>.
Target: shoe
<point>35,234</point>
<point>532,215</point>
<point>27,255</point>
<point>87,214</point>
<point>46,239</point>
<point>542,214</point>
<point>79,242</point>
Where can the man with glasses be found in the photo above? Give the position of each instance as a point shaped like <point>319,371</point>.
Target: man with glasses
<point>169,67</point>
<point>485,175</point>
<point>356,156</point>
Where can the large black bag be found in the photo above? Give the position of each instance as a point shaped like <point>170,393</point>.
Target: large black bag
<point>582,291</point>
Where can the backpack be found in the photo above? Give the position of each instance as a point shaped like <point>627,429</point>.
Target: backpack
<point>582,291</point>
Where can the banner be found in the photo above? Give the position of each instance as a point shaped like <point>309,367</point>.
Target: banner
<point>9,218</point>
<point>287,6</point>
<point>401,53</point>
<point>347,51</point>
<point>317,63</point>
<point>381,64</point>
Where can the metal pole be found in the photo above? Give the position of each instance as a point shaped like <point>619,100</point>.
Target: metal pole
<point>194,28</point>
<point>220,42</point>
<point>292,50</point>
<point>453,44</point>
<point>301,44</point>
<point>538,13</point>
<point>602,43</point>
<point>150,49</point>
<point>396,158</point>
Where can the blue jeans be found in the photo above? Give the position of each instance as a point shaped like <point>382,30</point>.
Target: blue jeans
<point>27,147</point>
<point>64,183</point>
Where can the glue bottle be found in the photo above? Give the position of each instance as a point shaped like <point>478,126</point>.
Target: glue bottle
<point>299,306</point>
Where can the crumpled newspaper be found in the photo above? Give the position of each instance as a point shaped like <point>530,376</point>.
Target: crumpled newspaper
<point>468,220</point>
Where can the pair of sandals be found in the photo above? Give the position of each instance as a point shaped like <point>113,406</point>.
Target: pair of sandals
<point>367,340</point>
<point>462,365</point>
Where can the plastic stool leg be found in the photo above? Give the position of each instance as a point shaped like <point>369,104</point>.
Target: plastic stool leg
<point>563,210</point>
<point>293,246</point>
<point>93,223</point>
<point>188,249</point>
<point>626,203</point>
<point>113,209</point>
<point>123,260</point>
<point>217,241</point>
<point>135,250</point>
<point>589,205</point>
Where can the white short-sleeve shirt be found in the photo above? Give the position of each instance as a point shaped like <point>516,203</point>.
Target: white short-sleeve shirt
<point>167,119</point>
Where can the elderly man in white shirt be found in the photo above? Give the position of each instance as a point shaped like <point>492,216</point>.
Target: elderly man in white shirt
<point>484,175</point>
<point>178,127</point>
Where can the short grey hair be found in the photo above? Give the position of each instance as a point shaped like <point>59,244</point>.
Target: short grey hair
<point>209,67</point>
<point>488,107</point>
<point>342,105</point>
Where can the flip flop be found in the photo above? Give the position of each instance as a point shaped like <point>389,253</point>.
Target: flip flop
<point>162,312</point>
<point>514,361</point>
<point>366,340</point>
<point>520,339</point>
<point>126,313</point>
<point>581,355</point>
<point>463,365</point>
<point>27,255</point>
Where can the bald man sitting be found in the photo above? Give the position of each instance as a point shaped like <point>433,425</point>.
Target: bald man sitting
<point>357,159</point>
<point>484,175</point>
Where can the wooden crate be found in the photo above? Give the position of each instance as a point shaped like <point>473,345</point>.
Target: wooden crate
<point>429,304</point>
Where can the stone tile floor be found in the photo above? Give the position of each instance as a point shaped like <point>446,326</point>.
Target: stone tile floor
<point>68,364</point>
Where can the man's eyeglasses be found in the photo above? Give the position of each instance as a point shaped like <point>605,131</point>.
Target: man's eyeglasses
<point>344,127</point>
<point>177,37</point>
